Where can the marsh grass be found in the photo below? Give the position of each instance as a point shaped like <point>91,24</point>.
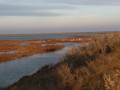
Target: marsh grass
<point>99,45</point>
<point>33,47</point>
<point>30,50</point>
<point>94,66</point>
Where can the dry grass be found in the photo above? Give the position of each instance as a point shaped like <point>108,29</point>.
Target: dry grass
<point>32,48</point>
<point>92,67</point>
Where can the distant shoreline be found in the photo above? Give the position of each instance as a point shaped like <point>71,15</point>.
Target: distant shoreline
<point>35,46</point>
<point>104,32</point>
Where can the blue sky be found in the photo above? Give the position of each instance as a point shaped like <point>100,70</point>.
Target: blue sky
<point>45,16</point>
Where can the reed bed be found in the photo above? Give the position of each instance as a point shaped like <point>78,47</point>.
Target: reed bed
<point>94,66</point>
<point>33,47</point>
<point>30,50</point>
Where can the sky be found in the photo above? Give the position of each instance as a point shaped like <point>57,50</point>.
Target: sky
<point>58,16</point>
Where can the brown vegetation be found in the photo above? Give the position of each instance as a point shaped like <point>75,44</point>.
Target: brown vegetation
<point>34,47</point>
<point>30,50</point>
<point>92,67</point>
<point>12,45</point>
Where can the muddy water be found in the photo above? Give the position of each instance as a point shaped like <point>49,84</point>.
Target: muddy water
<point>12,71</point>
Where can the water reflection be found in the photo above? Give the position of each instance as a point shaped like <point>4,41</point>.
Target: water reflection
<point>1,52</point>
<point>12,52</point>
<point>12,71</point>
<point>30,37</point>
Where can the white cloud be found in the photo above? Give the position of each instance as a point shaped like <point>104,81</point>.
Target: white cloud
<point>46,7</point>
<point>88,2</point>
<point>30,10</point>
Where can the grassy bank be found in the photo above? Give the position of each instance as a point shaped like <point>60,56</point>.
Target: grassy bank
<point>92,67</point>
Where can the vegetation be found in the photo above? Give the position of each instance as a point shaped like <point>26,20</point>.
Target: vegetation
<point>95,66</point>
<point>33,47</point>
<point>31,50</point>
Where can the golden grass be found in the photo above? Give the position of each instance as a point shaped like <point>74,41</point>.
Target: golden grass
<point>92,67</point>
<point>32,48</point>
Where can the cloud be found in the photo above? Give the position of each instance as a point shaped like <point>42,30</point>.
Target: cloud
<point>80,2</point>
<point>6,7</point>
<point>29,14</point>
<point>46,7</point>
<point>30,10</point>
<point>88,2</point>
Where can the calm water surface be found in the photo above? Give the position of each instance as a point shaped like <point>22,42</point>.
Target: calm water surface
<point>30,37</point>
<point>12,71</point>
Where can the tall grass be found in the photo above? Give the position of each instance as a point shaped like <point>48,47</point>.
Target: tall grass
<point>99,45</point>
<point>94,66</point>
